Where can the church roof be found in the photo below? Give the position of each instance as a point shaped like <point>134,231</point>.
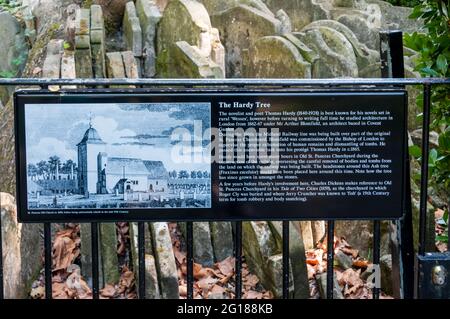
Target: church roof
<point>135,166</point>
<point>156,169</point>
<point>91,136</point>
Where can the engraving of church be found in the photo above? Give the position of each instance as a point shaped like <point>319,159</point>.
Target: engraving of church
<point>122,157</point>
<point>102,174</point>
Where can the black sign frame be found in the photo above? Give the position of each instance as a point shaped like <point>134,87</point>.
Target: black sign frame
<point>236,212</point>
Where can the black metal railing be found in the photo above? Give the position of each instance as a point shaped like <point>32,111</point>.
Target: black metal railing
<point>407,267</point>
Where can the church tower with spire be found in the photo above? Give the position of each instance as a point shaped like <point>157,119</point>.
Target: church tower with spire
<point>88,149</point>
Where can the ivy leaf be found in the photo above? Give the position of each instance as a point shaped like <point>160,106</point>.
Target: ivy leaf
<point>433,157</point>
<point>442,63</point>
<point>444,140</point>
<point>415,151</point>
<point>429,71</point>
<point>442,238</point>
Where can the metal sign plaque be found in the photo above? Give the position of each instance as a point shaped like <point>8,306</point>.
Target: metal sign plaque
<point>217,155</point>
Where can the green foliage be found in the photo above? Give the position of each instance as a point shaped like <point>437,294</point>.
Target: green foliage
<point>443,222</point>
<point>433,45</point>
<point>7,74</point>
<point>9,5</point>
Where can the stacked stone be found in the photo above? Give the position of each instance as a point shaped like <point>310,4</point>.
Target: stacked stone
<point>121,65</point>
<point>98,41</point>
<point>83,56</point>
<point>52,62</point>
<point>59,63</point>
<point>132,30</point>
<point>89,42</point>
<point>139,30</point>
<point>149,16</point>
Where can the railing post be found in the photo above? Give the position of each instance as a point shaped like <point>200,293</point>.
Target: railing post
<point>190,260</point>
<point>238,258</point>
<point>402,246</point>
<point>330,259</point>
<point>141,259</point>
<point>286,259</point>
<point>48,261</point>
<point>1,260</point>
<point>95,271</point>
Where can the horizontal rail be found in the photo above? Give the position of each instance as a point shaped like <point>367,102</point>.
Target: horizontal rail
<point>227,82</point>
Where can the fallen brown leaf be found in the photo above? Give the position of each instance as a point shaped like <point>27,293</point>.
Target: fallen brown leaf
<point>226,266</point>
<point>251,294</point>
<point>109,291</point>
<point>360,263</point>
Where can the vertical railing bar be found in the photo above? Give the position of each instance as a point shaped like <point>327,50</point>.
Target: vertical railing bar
<point>94,247</point>
<point>424,167</point>
<point>141,259</point>
<point>190,259</point>
<point>330,259</point>
<point>376,256</point>
<point>1,260</point>
<point>48,260</point>
<point>238,258</point>
<point>285,259</point>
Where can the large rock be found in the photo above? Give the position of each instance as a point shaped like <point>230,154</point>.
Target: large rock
<point>47,11</point>
<point>222,240</point>
<point>108,250</point>
<point>13,48</point>
<point>21,250</point>
<point>132,30</point>
<point>275,57</point>
<point>86,255</point>
<point>130,65</point>
<point>364,31</point>
<point>216,6</point>
<point>183,20</point>
<point>151,277</point>
<point>322,282</point>
<point>239,28</point>
<point>203,250</point>
<point>186,42</point>
<point>149,16</point>
<point>114,65</point>
<point>357,233</point>
<point>97,38</point>
<point>386,274</point>
<point>68,68</point>
<point>336,56</point>
<point>165,261</point>
<point>71,24</point>
<point>396,18</point>
<point>190,63</point>
<point>275,269</point>
<point>52,63</point>
<point>301,12</point>
<point>259,245</point>
<point>83,57</point>
<point>307,53</point>
<point>367,59</point>
<point>297,257</point>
